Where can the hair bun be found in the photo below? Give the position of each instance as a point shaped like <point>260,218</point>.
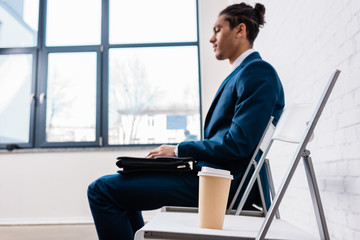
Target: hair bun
<point>260,12</point>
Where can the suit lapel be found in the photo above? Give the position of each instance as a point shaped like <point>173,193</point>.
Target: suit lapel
<point>250,58</point>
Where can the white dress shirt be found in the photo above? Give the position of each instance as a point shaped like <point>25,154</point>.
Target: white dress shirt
<point>241,58</point>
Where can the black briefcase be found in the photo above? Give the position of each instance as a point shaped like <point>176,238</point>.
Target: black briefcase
<point>158,164</point>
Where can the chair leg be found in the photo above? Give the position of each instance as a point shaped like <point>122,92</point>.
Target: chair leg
<point>315,196</point>
<point>279,196</point>
<point>271,184</point>
<point>251,183</point>
<point>229,210</point>
<point>314,190</point>
<point>261,191</point>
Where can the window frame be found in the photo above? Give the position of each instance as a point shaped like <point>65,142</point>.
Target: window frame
<point>37,134</point>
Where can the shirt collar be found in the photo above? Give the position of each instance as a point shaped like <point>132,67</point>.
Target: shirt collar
<point>241,58</point>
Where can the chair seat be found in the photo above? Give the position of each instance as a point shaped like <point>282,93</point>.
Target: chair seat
<point>171,225</point>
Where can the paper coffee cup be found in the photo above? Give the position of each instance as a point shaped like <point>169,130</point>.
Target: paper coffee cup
<point>214,186</point>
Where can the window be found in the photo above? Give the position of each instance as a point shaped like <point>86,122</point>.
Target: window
<point>143,83</point>
<point>15,101</point>
<point>71,97</point>
<point>19,23</point>
<point>18,42</point>
<point>144,21</point>
<point>98,72</point>
<point>70,23</point>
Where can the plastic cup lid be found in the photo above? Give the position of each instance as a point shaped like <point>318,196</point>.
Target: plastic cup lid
<point>213,172</point>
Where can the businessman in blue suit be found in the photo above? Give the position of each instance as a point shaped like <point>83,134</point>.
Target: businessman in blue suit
<point>234,124</point>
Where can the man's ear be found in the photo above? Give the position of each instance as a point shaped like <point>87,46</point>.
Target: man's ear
<point>241,30</point>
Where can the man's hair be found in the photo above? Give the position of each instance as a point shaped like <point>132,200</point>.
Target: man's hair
<point>253,18</point>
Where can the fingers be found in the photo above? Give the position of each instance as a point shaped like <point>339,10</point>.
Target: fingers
<point>154,153</point>
<point>163,150</point>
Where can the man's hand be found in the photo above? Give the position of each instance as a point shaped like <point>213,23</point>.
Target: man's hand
<point>163,150</point>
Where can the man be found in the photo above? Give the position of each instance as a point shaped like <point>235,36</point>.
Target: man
<point>234,124</point>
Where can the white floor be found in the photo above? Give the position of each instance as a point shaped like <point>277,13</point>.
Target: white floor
<point>49,232</point>
<point>55,232</point>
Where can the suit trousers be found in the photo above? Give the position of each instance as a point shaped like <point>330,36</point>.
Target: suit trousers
<point>116,200</point>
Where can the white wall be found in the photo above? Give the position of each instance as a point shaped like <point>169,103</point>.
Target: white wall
<point>50,186</point>
<point>213,71</point>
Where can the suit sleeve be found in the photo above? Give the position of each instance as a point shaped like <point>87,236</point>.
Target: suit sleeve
<point>257,91</point>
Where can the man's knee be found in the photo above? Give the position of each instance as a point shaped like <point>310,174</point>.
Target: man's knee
<point>109,192</point>
<point>92,192</point>
<point>96,191</point>
<point>104,189</point>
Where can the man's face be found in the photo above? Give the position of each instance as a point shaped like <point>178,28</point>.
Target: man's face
<point>224,39</point>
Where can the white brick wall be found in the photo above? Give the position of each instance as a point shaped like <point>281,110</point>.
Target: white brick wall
<point>306,41</point>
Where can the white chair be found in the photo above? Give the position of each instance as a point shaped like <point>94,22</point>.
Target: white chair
<point>294,127</point>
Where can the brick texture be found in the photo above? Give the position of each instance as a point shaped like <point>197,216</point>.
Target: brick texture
<point>306,41</point>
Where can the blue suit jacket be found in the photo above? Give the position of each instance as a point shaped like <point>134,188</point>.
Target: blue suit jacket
<point>238,116</point>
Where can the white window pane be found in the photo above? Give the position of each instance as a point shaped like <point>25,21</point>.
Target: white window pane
<point>18,23</point>
<point>15,101</point>
<point>153,95</point>
<point>71,97</point>
<point>72,22</point>
<point>141,21</point>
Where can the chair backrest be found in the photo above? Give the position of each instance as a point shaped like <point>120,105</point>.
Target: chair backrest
<point>267,136</point>
<point>290,128</point>
<point>293,123</point>
<point>265,139</point>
